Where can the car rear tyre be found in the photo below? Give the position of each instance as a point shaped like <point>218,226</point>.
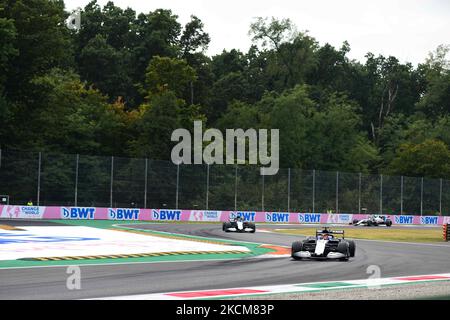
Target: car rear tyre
<point>343,247</point>
<point>388,223</point>
<point>352,248</point>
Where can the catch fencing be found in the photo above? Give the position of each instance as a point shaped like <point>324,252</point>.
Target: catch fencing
<point>49,179</point>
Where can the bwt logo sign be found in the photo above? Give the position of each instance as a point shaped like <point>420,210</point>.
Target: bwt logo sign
<point>166,215</point>
<point>124,214</point>
<point>403,219</point>
<point>277,217</point>
<point>247,216</point>
<point>429,220</point>
<point>78,213</point>
<point>309,217</point>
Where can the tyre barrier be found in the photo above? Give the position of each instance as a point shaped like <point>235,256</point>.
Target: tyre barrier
<point>446,232</point>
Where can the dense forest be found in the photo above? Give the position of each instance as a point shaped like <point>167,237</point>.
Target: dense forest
<point>124,81</point>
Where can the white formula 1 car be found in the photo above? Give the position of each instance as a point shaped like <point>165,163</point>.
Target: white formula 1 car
<point>374,220</point>
<point>325,245</point>
<point>238,225</point>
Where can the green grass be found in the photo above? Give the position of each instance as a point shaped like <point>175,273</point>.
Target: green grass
<point>388,234</point>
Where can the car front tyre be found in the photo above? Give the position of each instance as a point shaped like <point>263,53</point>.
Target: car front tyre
<point>297,246</point>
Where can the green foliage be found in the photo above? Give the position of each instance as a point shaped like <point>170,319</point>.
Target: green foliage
<point>168,74</point>
<point>42,42</point>
<point>194,37</point>
<point>328,138</point>
<point>8,35</point>
<point>430,158</point>
<point>155,126</point>
<point>124,81</point>
<point>71,118</point>
<point>105,67</point>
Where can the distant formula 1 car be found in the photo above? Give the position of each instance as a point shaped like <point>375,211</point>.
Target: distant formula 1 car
<point>324,246</point>
<point>374,220</point>
<point>238,225</point>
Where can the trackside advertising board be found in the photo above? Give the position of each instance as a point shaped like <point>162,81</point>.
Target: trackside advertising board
<point>136,214</point>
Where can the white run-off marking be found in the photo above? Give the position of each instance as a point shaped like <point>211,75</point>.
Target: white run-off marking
<point>33,242</point>
<point>291,288</point>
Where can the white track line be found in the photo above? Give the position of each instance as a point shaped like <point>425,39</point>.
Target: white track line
<point>277,289</point>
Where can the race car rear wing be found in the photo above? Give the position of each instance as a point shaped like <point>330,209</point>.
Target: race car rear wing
<point>333,232</point>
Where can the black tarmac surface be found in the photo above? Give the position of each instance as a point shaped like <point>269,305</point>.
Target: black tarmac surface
<point>394,259</point>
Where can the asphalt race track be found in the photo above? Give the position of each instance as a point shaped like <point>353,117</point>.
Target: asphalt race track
<point>97,281</point>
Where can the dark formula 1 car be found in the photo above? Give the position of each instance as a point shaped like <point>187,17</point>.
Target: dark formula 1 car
<point>374,220</point>
<point>238,225</point>
<point>325,245</point>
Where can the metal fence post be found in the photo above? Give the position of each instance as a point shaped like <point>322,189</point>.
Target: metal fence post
<point>314,191</point>
<point>235,187</point>
<point>76,179</point>
<point>381,194</point>
<point>145,183</point>
<point>401,195</point>
<point>337,191</point>
<point>440,196</point>
<point>359,193</point>
<point>289,191</point>
<point>421,196</point>
<point>112,182</point>
<point>207,185</point>
<point>262,196</point>
<point>178,183</point>
<point>39,179</point>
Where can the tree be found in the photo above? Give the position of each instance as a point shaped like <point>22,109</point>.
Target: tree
<point>106,68</point>
<point>227,62</point>
<point>194,37</point>
<point>295,50</point>
<point>386,88</point>
<point>154,127</point>
<point>157,34</point>
<point>71,118</point>
<point>232,86</point>
<point>42,43</point>
<point>430,158</point>
<point>8,35</point>
<point>164,74</point>
<point>435,100</point>
<point>328,139</point>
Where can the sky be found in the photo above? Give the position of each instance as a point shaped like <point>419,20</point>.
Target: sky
<point>406,29</point>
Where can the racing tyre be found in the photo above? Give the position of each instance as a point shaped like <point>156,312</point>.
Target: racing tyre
<point>355,221</point>
<point>351,248</point>
<point>296,247</point>
<point>252,225</point>
<point>226,225</point>
<point>369,223</point>
<point>343,247</point>
<point>388,223</point>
